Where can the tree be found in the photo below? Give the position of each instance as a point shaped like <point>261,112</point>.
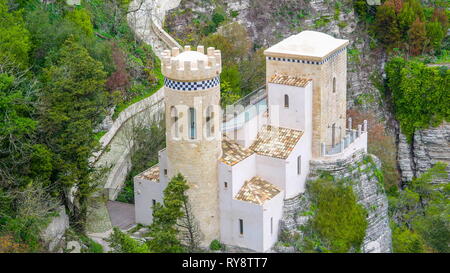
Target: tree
<point>419,94</point>
<point>386,25</point>
<point>435,35</point>
<point>80,17</point>
<point>227,95</point>
<point>123,243</point>
<point>421,212</point>
<point>339,222</point>
<point>417,36</point>
<point>73,101</point>
<point>14,37</point>
<point>174,226</point>
<point>406,241</point>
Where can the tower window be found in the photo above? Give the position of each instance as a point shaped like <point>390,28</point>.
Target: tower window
<point>192,124</point>
<point>153,202</point>
<point>241,226</point>
<point>209,121</point>
<point>225,185</point>
<point>165,171</point>
<point>299,164</point>
<point>334,84</point>
<point>174,113</point>
<point>286,101</point>
<point>271,225</point>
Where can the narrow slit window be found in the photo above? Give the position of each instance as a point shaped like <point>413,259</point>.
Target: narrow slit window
<point>174,114</point>
<point>209,121</point>
<point>299,164</point>
<point>334,84</point>
<point>241,226</point>
<point>286,101</point>
<point>192,124</point>
<point>153,202</point>
<point>271,225</point>
<point>226,185</point>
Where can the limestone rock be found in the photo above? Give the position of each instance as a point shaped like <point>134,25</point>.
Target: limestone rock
<point>73,247</point>
<point>428,147</point>
<point>53,236</point>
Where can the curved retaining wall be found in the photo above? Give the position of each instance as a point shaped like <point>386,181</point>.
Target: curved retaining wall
<point>125,115</point>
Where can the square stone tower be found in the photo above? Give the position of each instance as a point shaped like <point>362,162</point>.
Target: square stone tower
<point>322,58</point>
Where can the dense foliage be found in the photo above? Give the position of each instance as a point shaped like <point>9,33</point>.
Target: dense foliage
<point>121,242</point>
<point>420,213</point>
<point>338,222</point>
<point>420,94</point>
<point>406,24</point>
<point>61,68</point>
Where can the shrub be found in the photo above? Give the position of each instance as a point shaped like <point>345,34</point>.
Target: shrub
<point>339,221</point>
<point>123,243</point>
<point>406,241</point>
<point>216,245</point>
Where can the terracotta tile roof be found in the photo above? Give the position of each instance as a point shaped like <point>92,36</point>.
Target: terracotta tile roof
<point>151,174</point>
<point>289,80</point>
<point>275,141</point>
<point>257,191</point>
<point>233,152</point>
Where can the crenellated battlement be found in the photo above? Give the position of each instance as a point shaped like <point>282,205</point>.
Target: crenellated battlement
<point>191,65</point>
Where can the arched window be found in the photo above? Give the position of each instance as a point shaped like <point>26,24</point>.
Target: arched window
<point>334,84</point>
<point>174,116</point>
<point>192,124</point>
<point>286,101</point>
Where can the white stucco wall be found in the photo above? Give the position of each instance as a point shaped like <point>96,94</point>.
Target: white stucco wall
<point>299,112</point>
<point>146,191</point>
<point>271,169</point>
<point>272,208</point>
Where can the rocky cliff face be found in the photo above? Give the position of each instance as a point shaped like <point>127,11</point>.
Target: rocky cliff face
<point>427,147</point>
<point>269,22</point>
<point>370,194</point>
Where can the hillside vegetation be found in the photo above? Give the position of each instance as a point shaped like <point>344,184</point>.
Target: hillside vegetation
<point>61,68</point>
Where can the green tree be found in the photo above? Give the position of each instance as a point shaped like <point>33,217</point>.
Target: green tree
<point>14,37</point>
<point>73,102</point>
<point>386,26</point>
<point>81,18</point>
<point>339,220</point>
<point>164,231</point>
<point>435,35</point>
<point>406,241</point>
<point>122,243</point>
<point>419,93</point>
<point>421,213</point>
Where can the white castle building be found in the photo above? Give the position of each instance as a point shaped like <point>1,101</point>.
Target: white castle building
<point>242,168</point>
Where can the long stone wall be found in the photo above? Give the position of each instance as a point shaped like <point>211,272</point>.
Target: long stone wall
<point>125,115</point>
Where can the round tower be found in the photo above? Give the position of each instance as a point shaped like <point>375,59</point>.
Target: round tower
<point>193,139</point>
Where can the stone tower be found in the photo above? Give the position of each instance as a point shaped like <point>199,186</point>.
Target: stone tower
<point>322,58</point>
<point>193,139</point>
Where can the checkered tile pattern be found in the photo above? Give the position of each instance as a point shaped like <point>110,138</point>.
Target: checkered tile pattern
<point>191,86</point>
<point>332,56</point>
